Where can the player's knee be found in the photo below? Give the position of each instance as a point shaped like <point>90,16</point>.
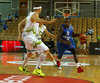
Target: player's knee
<point>46,52</point>
<point>29,54</point>
<point>33,56</point>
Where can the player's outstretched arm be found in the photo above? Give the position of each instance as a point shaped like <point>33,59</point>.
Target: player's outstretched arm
<point>60,30</point>
<point>36,18</point>
<point>20,27</point>
<point>49,34</point>
<point>75,35</point>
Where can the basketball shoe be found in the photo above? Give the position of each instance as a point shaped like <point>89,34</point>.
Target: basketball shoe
<point>79,70</point>
<point>58,65</point>
<point>39,72</point>
<point>23,69</point>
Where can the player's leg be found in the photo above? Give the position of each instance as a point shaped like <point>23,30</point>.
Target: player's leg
<point>27,56</point>
<point>34,54</point>
<point>43,50</point>
<point>38,70</point>
<point>28,42</point>
<point>61,48</point>
<point>23,68</point>
<point>74,54</point>
<point>42,58</point>
<point>49,54</point>
<point>79,69</point>
<point>84,49</point>
<point>51,58</point>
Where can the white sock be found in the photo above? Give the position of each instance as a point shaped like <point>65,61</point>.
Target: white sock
<point>78,65</point>
<point>40,60</point>
<point>54,62</point>
<point>25,60</point>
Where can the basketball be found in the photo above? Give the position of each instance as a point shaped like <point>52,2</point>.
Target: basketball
<point>82,37</point>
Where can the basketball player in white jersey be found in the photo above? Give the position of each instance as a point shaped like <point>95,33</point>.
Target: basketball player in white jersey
<point>31,24</point>
<point>42,28</point>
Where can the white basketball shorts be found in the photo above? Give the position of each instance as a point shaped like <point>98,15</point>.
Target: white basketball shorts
<point>32,43</point>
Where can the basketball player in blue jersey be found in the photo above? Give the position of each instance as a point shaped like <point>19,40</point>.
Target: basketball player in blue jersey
<point>65,41</point>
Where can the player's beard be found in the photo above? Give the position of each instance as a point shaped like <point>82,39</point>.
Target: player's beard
<point>67,26</point>
<point>40,11</point>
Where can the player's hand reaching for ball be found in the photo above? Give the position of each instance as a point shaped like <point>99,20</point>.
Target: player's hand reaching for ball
<point>68,42</point>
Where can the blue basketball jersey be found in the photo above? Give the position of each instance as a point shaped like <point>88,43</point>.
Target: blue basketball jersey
<point>67,35</point>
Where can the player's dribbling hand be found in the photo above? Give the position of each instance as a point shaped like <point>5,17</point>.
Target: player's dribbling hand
<point>68,42</point>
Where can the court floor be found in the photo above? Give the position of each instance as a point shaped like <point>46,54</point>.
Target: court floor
<point>9,63</point>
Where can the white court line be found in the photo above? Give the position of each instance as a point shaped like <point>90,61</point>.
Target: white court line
<point>47,63</point>
<point>77,55</point>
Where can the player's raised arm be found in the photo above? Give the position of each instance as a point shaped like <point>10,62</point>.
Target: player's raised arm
<point>49,34</point>
<point>20,27</point>
<point>37,19</point>
<point>60,30</point>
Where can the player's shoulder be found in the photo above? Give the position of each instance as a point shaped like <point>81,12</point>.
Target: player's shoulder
<point>70,27</point>
<point>63,25</point>
<point>30,14</point>
<point>33,14</point>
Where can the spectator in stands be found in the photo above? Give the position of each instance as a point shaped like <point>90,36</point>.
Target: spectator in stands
<point>9,18</point>
<point>51,45</point>
<point>16,16</point>
<point>52,17</point>
<point>90,31</point>
<point>83,48</point>
<point>5,26</point>
<point>53,28</point>
<point>47,16</point>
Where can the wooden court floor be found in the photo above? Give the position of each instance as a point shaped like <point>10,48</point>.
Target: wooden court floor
<point>9,63</point>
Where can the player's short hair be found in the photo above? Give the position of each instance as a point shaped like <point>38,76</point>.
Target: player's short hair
<point>37,5</point>
<point>66,19</point>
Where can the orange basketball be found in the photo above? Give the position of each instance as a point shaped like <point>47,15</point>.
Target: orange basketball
<point>82,37</point>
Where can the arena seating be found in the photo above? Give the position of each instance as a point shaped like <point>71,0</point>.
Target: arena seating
<point>80,25</point>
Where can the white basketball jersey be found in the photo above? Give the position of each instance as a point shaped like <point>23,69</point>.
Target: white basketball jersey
<point>30,27</point>
<point>40,31</point>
